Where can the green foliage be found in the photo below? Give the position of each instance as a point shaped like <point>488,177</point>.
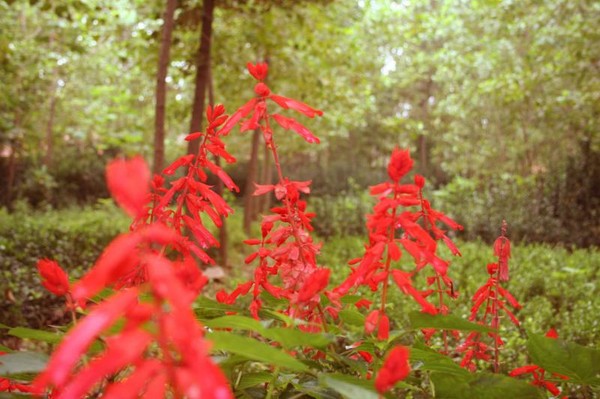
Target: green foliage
<point>481,385</point>
<point>579,363</point>
<point>73,237</point>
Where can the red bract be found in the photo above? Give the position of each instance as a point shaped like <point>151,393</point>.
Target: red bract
<point>128,182</point>
<point>54,279</point>
<point>259,70</point>
<point>400,164</point>
<point>395,368</point>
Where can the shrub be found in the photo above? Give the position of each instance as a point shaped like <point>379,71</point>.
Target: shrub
<point>74,237</point>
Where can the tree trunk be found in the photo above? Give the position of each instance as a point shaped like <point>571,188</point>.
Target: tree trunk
<point>50,129</point>
<point>161,86</point>
<point>202,71</point>
<point>249,199</point>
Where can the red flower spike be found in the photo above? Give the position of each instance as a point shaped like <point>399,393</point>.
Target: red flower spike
<point>396,367</point>
<point>400,164</point>
<point>54,279</point>
<point>128,182</point>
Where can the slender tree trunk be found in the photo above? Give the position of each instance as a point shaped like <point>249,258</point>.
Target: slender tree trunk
<point>12,166</point>
<point>161,86</point>
<point>50,129</point>
<point>202,71</point>
<point>49,141</point>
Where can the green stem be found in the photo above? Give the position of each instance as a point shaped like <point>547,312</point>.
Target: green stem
<point>271,388</point>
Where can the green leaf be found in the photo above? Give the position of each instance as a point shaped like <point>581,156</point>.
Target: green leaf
<point>425,358</point>
<point>5,349</point>
<point>253,379</point>
<point>351,299</point>
<point>290,338</point>
<point>352,317</point>
<point>204,303</point>
<point>579,363</point>
<point>254,350</point>
<point>35,335</point>
<point>236,322</point>
<point>482,385</point>
<point>349,387</point>
<point>22,362</point>
<point>420,320</point>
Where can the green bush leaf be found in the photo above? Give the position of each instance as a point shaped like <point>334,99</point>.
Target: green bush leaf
<point>352,317</point>
<point>290,338</point>
<point>35,335</point>
<point>252,379</point>
<point>254,350</point>
<point>420,320</point>
<point>579,363</point>
<point>482,385</point>
<point>236,322</point>
<point>425,358</point>
<point>348,386</point>
<point>22,362</point>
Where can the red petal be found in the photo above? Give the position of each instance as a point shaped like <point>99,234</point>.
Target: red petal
<point>79,339</point>
<point>395,368</point>
<point>129,181</point>
<point>288,103</point>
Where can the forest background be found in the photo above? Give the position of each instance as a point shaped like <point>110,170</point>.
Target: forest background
<point>499,102</point>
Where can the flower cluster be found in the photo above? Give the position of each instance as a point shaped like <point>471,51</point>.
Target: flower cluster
<point>159,348</point>
<point>494,299</point>
<point>393,226</point>
<point>285,249</point>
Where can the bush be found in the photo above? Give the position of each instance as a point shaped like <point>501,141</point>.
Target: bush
<point>557,206</point>
<point>74,237</point>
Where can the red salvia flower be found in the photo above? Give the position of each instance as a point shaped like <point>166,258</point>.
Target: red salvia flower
<point>167,324</point>
<point>395,226</point>
<point>286,248</point>
<point>495,300</point>
<point>396,367</point>
<point>54,279</point>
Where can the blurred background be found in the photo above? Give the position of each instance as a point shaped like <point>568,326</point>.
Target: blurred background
<point>498,101</point>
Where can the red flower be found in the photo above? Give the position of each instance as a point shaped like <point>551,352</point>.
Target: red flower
<point>316,283</point>
<point>395,368</point>
<point>259,70</point>
<point>400,164</point>
<point>54,279</point>
<point>128,182</point>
